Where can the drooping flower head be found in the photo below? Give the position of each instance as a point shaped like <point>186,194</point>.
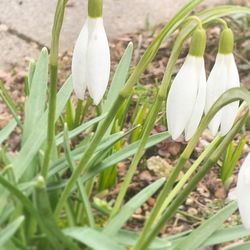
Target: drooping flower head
<point>242,192</point>
<point>223,76</point>
<point>186,98</point>
<point>91,56</point>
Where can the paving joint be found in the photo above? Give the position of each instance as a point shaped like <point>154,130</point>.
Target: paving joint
<point>21,36</point>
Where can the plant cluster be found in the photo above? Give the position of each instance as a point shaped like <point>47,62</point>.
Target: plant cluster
<point>48,188</point>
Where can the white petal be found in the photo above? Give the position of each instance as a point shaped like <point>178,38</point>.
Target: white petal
<point>230,111</point>
<point>199,106</point>
<point>243,190</point>
<point>181,97</point>
<point>216,85</point>
<point>79,63</point>
<point>98,60</point>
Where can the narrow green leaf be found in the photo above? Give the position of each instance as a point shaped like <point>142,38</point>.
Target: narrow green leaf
<point>43,208</point>
<point>80,129</point>
<point>28,205</point>
<point>207,228</point>
<point>92,238</point>
<point>227,234</point>
<point>35,103</point>
<point>245,246</point>
<point>77,153</point>
<point>32,68</point>
<point>38,135</point>
<point>129,208</point>
<point>7,130</point>
<point>9,103</point>
<point>123,154</point>
<point>82,190</point>
<point>119,78</point>
<point>70,114</point>
<point>9,231</point>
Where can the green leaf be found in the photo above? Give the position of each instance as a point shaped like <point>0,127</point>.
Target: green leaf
<point>128,238</point>
<point>194,240</point>
<point>35,103</point>
<point>80,129</point>
<point>93,238</point>
<point>28,205</point>
<point>119,78</point>
<point>245,246</point>
<point>38,135</point>
<point>123,154</point>
<point>129,208</point>
<point>7,130</point>
<point>43,208</point>
<point>227,234</point>
<point>61,164</point>
<point>9,231</point>
<point>9,103</point>
<point>82,190</point>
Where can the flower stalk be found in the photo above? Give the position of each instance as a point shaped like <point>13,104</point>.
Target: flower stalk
<point>124,93</point>
<point>58,21</point>
<point>191,185</point>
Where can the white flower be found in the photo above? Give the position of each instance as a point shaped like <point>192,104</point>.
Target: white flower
<point>243,192</point>
<point>223,76</point>
<point>186,98</point>
<point>91,60</point>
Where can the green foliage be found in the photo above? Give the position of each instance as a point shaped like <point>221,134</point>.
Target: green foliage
<point>231,158</point>
<point>52,190</point>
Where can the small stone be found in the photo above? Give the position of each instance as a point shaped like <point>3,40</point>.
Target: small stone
<point>138,211</point>
<point>145,176</point>
<point>192,211</point>
<point>151,201</point>
<point>189,201</point>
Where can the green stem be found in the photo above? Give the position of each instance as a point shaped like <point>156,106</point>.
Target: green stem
<point>125,92</point>
<point>191,185</point>
<point>80,185</point>
<point>163,202</point>
<point>187,175</point>
<point>150,122</point>
<point>58,20</point>
<point>78,113</point>
<point>85,160</point>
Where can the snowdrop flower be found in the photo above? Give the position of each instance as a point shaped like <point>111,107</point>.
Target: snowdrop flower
<point>91,56</point>
<point>186,98</point>
<point>242,192</point>
<point>223,76</point>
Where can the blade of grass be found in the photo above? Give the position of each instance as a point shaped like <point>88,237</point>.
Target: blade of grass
<point>130,207</point>
<point>7,232</point>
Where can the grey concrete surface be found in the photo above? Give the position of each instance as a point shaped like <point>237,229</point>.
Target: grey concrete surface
<point>29,22</point>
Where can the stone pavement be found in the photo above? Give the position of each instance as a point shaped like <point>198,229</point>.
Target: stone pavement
<point>25,25</point>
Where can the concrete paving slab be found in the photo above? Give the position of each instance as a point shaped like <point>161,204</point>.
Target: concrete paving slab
<point>33,19</point>
<point>15,50</point>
